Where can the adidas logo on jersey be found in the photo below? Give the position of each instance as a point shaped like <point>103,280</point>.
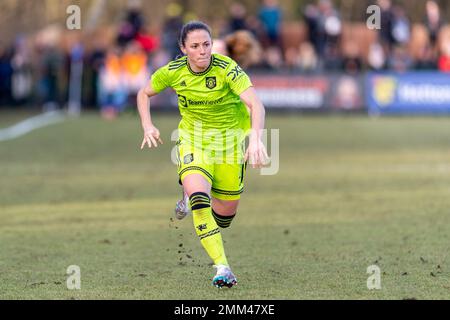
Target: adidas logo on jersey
<point>183,83</point>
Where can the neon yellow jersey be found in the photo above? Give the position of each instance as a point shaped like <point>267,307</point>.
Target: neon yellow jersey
<point>209,102</point>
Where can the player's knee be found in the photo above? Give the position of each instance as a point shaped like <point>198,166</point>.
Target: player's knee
<point>221,220</point>
<point>199,200</point>
<point>194,183</point>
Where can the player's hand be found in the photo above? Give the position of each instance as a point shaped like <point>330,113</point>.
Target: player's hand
<point>256,153</point>
<point>151,137</point>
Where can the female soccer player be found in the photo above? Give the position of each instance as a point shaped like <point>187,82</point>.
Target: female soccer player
<point>213,92</point>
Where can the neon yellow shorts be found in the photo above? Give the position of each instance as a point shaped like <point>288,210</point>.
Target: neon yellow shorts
<point>225,172</point>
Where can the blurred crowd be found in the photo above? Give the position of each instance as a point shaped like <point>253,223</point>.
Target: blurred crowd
<point>108,75</point>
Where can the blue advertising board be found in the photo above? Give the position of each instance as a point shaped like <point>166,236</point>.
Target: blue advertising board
<point>408,93</point>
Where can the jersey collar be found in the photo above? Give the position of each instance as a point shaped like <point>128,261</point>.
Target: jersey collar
<point>201,72</point>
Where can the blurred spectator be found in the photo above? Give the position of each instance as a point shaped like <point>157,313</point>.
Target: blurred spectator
<point>351,62</point>
<point>308,58</point>
<point>129,28</point>
<point>254,26</point>
<point>302,59</point>
<point>331,21</point>
<point>76,75</point>
<point>134,68</point>
<point>158,59</point>
<point>291,59</point>
<point>376,57</point>
<point>171,29</point>
<point>272,60</point>
<point>426,59</point>
<point>148,42</point>
<point>400,59</point>
<point>311,17</point>
<point>134,15</point>
<point>385,34</point>
<point>6,72</point>
<point>433,21</point>
<point>237,20</point>
<point>94,60</point>
<point>21,82</point>
<point>51,63</point>
<point>328,28</point>
<point>219,46</point>
<point>112,93</point>
<point>243,47</point>
<point>270,16</point>
<point>333,59</point>
<point>126,33</point>
<point>122,75</point>
<point>444,58</point>
<point>401,27</point>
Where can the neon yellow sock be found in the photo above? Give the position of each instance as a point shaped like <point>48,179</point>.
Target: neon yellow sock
<point>207,229</point>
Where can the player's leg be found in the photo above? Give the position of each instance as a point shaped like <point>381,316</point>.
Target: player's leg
<point>226,191</point>
<point>198,188</point>
<point>224,211</point>
<point>196,177</point>
<point>187,158</point>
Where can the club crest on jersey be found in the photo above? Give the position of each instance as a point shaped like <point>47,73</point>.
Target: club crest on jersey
<point>211,82</point>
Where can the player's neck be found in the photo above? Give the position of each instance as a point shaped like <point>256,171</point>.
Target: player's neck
<point>197,69</point>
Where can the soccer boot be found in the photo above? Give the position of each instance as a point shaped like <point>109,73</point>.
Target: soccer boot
<point>224,277</point>
<point>182,208</point>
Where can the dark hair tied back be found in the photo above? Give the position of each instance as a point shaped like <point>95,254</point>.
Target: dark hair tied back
<point>191,26</point>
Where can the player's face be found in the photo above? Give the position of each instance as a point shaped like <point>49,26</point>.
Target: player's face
<point>198,49</point>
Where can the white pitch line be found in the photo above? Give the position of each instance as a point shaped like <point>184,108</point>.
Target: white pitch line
<point>31,124</point>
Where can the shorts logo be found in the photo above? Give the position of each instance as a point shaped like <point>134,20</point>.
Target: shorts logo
<point>201,227</point>
<point>211,82</point>
<point>188,159</point>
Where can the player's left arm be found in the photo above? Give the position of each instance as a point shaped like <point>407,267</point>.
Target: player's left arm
<point>256,151</point>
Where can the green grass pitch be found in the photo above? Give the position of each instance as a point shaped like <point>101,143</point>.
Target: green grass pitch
<point>351,192</point>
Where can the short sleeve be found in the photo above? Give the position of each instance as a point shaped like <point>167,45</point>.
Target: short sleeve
<point>160,79</point>
<point>237,79</point>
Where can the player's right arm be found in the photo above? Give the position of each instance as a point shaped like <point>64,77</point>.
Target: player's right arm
<point>151,133</point>
<point>159,81</point>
